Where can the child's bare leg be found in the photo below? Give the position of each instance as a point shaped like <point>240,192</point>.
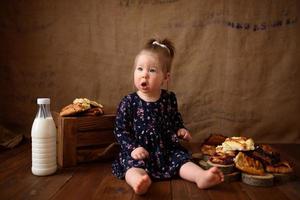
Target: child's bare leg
<point>203,178</point>
<point>138,179</point>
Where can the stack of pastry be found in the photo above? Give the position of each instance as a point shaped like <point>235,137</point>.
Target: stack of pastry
<point>262,166</point>
<point>82,107</point>
<point>214,156</point>
<point>223,160</point>
<point>208,147</point>
<point>259,164</point>
<point>225,154</point>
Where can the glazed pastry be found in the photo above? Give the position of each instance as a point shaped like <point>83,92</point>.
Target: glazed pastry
<point>248,164</point>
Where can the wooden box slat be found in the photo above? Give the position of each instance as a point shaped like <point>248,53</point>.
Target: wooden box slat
<point>96,123</point>
<point>95,138</point>
<point>67,147</point>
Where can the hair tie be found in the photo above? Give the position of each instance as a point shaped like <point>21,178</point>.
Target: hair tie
<point>161,45</point>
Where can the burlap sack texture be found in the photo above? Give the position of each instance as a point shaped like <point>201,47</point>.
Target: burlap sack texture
<point>236,69</point>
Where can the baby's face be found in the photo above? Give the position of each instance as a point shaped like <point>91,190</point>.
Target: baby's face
<point>148,74</point>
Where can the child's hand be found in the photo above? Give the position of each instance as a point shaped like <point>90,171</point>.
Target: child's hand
<point>184,134</point>
<point>139,153</point>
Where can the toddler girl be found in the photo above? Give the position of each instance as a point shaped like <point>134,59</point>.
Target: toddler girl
<point>148,126</point>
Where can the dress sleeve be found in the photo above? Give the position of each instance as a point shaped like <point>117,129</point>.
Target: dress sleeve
<point>123,126</point>
<point>177,119</point>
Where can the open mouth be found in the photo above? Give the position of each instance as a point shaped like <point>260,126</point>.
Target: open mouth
<point>144,84</point>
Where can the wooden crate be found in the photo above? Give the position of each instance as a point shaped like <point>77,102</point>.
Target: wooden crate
<point>84,139</point>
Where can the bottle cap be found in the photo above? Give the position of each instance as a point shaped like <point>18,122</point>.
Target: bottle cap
<point>43,101</point>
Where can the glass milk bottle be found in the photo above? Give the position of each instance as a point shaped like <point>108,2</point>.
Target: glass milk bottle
<point>43,137</point>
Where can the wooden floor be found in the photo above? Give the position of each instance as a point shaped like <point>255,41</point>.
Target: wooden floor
<point>95,181</point>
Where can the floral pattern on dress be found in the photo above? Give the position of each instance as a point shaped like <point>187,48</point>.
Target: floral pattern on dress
<point>154,126</point>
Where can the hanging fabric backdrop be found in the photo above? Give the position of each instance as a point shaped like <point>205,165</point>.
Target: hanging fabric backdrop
<point>236,69</point>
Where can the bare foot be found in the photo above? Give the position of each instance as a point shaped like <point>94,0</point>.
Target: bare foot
<point>209,178</point>
<point>142,185</point>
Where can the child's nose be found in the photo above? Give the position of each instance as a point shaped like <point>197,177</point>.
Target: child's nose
<point>145,73</point>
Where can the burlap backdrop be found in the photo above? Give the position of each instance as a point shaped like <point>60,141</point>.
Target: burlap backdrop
<point>236,71</point>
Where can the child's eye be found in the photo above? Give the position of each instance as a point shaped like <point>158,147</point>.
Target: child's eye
<point>152,70</point>
<point>139,68</point>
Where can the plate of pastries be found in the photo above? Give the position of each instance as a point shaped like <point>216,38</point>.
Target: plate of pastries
<point>239,158</point>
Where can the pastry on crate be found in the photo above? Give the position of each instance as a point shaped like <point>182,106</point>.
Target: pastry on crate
<point>92,112</point>
<point>73,109</point>
<point>82,106</point>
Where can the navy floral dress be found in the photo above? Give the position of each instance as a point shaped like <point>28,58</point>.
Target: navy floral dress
<point>154,126</point>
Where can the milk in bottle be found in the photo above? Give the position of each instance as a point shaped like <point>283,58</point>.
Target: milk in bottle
<point>43,137</point>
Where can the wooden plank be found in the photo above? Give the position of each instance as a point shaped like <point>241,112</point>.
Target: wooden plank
<point>291,189</point>
<point>10,153</point>
<point>59,141</point>
<point>158,190</point>
<point>228,191</point>
<point>84,182</point>
<point>91,138</point>
<point>17,181</point>
<point>8,167</point>
<point>91,123</point>
<point>182,189</point>
<point>24,185</point>
<point>45,189</point>
<point>265,193</point>
<point>113,188</point>
<point>67,142</point>
<point>94,180</point>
